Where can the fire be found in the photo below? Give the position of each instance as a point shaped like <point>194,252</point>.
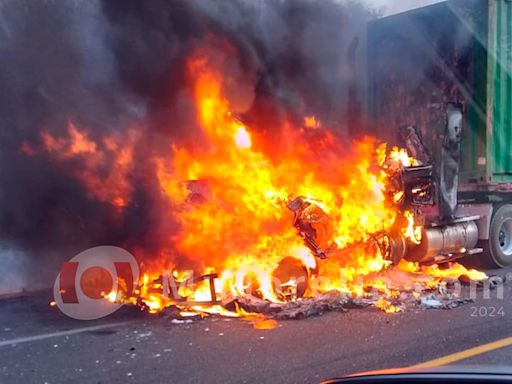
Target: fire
<point>241,228</point>
<point>454,270</point>
<point>386,306</point>
<point>311,122</point>
<point>231,194</point>
<point>401,156</point>
<point>412,231</point>
<point>242,138</point>
<point>110,187</point>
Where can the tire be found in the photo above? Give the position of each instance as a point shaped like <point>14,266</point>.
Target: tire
<point>498,249</point>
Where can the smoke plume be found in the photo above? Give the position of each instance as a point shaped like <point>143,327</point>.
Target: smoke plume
<point>117,69</point>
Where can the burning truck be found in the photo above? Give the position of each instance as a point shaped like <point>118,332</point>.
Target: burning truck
<point>449,186</point>
<point>354,216</point>
<point>442,69</point>
<point>256,211</point>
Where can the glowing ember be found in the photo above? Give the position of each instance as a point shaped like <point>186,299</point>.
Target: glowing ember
<point>386,306</point>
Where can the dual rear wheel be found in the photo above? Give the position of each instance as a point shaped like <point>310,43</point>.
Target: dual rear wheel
<point>498,249</point>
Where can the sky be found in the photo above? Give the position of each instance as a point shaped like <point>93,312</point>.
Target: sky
<point>396,6</point>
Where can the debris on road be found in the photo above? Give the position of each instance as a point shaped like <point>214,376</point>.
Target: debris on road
<point>259,311</point>
<point>430,302</point>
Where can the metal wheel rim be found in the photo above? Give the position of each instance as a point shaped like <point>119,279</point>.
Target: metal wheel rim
<point>505,237</point>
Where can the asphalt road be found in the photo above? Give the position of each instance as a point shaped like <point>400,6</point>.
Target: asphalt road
<point>38,344</point>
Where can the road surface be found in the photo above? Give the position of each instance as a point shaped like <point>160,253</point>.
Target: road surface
<point>40,345</point>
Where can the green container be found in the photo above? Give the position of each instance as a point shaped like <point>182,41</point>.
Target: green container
<point>499,90</point>
<point>454,51</point>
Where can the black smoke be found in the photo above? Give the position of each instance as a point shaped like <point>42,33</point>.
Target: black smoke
<point>112,65</point>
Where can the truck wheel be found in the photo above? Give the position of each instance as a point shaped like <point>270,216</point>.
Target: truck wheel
<point>498,249</point>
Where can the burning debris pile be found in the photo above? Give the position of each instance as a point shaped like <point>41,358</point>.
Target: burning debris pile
<point>212,170</point>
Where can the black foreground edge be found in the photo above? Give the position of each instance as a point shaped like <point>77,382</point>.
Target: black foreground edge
<point>449,374</point>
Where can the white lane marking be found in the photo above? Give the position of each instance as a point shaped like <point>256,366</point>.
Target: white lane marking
<point>57,334</point>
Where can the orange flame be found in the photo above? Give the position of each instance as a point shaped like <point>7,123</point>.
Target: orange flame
<point>230,193</point>
<point>112,187</point>
<point>412,232</point>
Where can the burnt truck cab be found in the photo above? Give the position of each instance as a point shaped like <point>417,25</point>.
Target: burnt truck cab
<point>426,65</point>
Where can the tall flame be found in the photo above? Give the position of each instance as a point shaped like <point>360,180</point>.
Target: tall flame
<point>230,191</point>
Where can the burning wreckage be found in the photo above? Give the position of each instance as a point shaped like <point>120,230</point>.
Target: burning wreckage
<point>416,254</point>
<point>412,189</point>
<point>288,226</point>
